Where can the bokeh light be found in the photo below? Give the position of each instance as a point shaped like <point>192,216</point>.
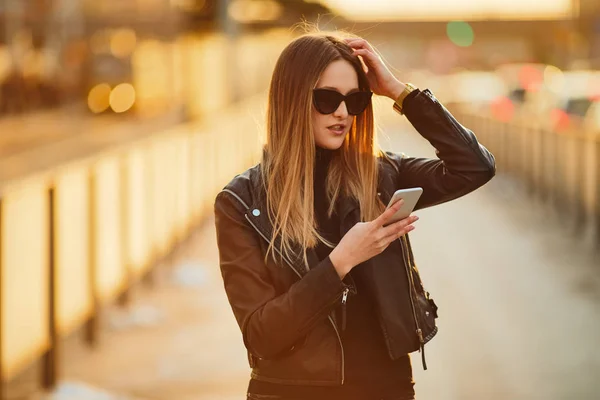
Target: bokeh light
<point>554,79</point>
<point>460,33</point>
<point>122,42</point>
<point>122,97</point>
<point>98,98</point>
<point>503,109</point>
<point>530,78</point>
<point>560,119</point>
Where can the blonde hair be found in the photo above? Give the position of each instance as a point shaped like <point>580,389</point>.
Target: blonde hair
<point>289,156</point>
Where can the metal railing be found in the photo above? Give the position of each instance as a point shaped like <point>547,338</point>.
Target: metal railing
<point>77,237</point>
<point>560,168</point>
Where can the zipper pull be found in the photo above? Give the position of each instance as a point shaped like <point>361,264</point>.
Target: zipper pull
<point>344,298</point>
<point>420,335</point>
<point>345,295</point>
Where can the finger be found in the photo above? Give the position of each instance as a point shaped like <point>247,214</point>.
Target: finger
<point>364,65</point>
<point>366,53</point>
<point>387,214</point>
<point>364,47</point>
<point>371,60</point>
<point>383,244</point>
<point>399,234</point>
<point>397,227</point>
<point>360,43</point>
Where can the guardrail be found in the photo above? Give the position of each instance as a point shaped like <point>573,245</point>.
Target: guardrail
<point>76,237</point>
<point>559,168</point>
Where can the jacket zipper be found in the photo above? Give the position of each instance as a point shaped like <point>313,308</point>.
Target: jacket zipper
<point>344,296</point>
<point>412,302</point>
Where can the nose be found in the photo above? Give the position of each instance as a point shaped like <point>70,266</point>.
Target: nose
<point>341,111</point>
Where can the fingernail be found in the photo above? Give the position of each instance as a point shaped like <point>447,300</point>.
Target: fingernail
<point>415,218</point>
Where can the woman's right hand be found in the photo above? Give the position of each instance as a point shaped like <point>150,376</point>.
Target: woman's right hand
<point>368,239</point>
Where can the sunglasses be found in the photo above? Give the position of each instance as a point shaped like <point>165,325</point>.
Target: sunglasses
<point>326,101</point>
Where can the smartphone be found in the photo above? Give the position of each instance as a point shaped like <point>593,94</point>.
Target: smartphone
<point>410,196</point>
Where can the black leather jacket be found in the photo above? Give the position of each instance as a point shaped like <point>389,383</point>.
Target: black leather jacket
<point>285,310</point>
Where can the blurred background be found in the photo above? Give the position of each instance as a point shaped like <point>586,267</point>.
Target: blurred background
<point>120,120</point>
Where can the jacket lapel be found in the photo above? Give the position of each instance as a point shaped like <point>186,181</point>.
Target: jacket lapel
<point>259,215</point>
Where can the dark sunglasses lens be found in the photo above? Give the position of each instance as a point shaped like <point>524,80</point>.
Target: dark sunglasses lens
<point>327,101</point>
<point>358,102</point>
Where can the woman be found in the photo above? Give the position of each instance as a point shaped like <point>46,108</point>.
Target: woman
<point>322,290</point>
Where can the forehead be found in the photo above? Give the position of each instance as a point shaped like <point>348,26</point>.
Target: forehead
<point>339,75</point>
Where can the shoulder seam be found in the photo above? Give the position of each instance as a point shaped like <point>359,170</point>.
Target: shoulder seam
<point>231,192</point>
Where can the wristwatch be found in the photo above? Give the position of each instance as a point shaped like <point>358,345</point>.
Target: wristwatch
<point>398,103</point>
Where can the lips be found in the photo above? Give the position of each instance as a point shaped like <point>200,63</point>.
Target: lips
<point>337,128</point>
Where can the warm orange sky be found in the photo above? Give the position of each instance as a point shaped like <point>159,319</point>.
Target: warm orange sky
<point>450,9</point>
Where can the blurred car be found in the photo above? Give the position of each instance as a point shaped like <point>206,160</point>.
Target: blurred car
<point>567,97</point>
<point>521,78</point>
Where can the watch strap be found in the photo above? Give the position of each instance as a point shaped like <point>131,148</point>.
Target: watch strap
<point>398,104</point>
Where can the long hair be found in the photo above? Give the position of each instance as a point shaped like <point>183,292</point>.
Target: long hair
<point>289,156</point>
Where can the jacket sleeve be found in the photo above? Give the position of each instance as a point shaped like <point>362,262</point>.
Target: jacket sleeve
<point>463,165</point>
<point>271,323</point>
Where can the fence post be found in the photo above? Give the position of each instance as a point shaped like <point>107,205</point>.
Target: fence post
<point>92,324</point>
<point>125,297</point>
<point>149,278</point>
<point>1,317</point>
<point>50,359</point>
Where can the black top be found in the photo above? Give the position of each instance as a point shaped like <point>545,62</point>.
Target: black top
<point>369,371</point>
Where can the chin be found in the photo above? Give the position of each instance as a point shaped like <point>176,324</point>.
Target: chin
<point>332,143</point>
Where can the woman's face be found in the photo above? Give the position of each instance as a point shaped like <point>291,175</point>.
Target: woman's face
<point>331,129</point>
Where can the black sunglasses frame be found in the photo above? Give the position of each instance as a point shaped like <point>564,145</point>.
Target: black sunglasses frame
<point>350,105</point>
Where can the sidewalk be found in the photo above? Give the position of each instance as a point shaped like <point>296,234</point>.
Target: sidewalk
<point>177,340</point>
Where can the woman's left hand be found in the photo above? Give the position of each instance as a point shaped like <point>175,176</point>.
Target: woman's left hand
<point>381,80</point>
